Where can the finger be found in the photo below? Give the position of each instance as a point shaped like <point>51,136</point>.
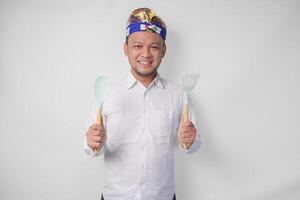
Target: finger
<point>188,129</point>
<point>97,127</point>
<point>189,135</point>
<point>94,133</point>
<point>183,141</point>
<point>94,145</point>
<point>100,139</point>
<point>100,131</point>
<point>185,129</point>
<point>187,140</point>
<point>182,136</point>
<point>94,127</point>
<point>188,124</point>
<point>96,138</point>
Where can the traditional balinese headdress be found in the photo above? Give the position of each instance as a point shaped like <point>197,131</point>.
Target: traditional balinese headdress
<point>144,19</point>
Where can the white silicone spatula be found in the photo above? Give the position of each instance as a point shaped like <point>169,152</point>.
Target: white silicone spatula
<point>101,87</point>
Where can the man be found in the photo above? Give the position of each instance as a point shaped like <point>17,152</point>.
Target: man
<point>141,120</point>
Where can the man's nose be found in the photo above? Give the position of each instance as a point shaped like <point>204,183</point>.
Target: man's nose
<point>146,52</point>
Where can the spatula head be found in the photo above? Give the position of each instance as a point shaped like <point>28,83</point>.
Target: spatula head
<point>189,80</point>
<point>101,87</point>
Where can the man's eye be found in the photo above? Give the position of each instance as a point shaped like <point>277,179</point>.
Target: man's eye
<point>155,47</point>
<point>137,46</point>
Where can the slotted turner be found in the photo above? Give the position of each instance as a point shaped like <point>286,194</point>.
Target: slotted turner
<point>188,83</point>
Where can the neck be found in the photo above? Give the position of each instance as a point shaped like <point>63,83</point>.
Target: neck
<point>144,79</point>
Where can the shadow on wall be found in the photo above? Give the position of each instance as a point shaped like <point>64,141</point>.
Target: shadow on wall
<point>172,62</point>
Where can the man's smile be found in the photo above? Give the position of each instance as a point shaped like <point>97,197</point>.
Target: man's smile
<point>145,63</point>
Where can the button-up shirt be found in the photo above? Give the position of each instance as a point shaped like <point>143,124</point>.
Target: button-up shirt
<point>141,125</point>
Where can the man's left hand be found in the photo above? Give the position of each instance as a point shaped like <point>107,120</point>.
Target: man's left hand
<point>187,134</point>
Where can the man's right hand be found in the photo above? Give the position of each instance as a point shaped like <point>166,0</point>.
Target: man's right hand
<point>96,137</point>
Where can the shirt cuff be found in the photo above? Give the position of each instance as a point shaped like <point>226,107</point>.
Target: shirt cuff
<point>90,151</point>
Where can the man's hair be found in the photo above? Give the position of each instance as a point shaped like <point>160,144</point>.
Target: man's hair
<point>145,15</point>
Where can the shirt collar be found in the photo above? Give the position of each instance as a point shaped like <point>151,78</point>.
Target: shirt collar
<point>131,81</point>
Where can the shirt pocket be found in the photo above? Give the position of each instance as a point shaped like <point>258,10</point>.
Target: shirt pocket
<point>161,126</point>
<point>122,129</point>
<point>127,131</point>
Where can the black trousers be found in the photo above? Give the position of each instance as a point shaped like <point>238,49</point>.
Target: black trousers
<point>174,198</point>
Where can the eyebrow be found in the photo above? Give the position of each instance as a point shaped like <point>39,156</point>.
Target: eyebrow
<point>156,43</point>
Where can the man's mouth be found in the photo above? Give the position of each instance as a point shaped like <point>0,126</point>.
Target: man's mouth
<point>145,62</point>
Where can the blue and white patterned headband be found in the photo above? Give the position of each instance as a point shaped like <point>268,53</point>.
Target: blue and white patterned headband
<point>145,26</point>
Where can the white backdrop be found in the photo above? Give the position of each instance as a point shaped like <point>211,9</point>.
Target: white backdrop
<point>247,98</point>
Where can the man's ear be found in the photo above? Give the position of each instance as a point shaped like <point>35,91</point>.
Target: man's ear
<point>126,49</point>
<point>164,50</point>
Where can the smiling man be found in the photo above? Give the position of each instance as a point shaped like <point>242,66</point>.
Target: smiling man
<point>145,51</point>
<point>142,120</point>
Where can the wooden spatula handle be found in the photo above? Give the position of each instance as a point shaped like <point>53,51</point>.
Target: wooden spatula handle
<point>186,113</point>
<point>99,121</point>
<point>99,116</point>
<point>185,119</point>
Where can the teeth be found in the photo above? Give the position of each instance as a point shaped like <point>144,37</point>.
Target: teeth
<point>144,62</point>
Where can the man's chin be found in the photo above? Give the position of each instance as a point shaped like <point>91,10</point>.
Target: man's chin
<point>145,73</point>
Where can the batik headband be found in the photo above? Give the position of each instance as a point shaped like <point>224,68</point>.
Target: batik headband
<point>145,26</point>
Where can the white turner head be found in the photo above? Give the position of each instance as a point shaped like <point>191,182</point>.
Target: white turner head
<point>189,80</point>
<point>101,86</point>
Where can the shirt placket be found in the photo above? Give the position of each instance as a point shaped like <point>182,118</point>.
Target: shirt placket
<point>143,163</point>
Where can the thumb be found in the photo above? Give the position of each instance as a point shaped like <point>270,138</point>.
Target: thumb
<point>187,123</point>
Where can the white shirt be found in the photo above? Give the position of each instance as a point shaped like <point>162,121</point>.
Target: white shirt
<point>141,126</point>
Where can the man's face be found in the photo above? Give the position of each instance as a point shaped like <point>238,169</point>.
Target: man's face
<point>145,51</point>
